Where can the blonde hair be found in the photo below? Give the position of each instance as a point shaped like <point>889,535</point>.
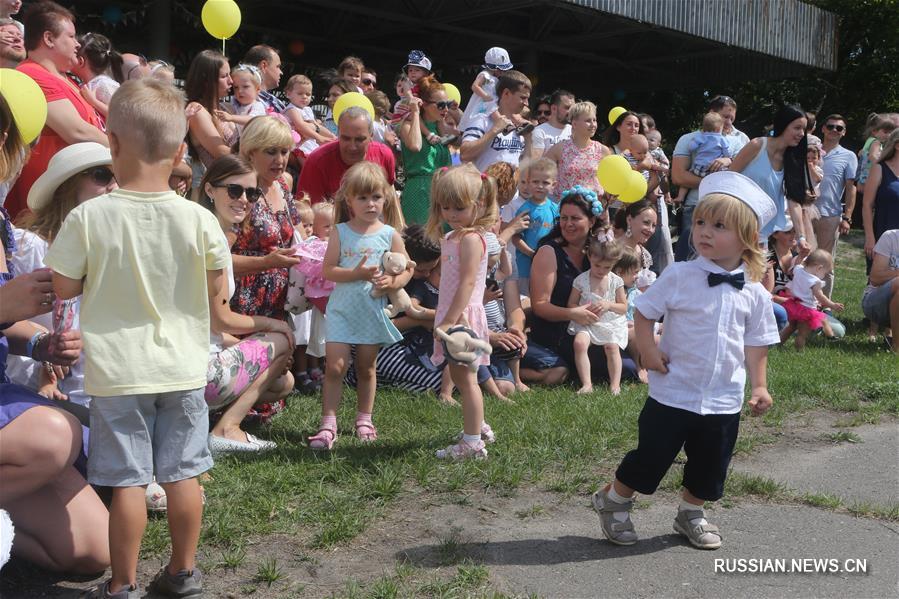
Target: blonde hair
<point>14,151</point>
<point>251,70</point>
<point>365,178</point>
<point>462,187</point>
<point>304,209</point>
<point>579,109</point>
<point>264,132</point>
<point>712,122</point>
<point>324,207</point>
<point>543,165</point>
<point>819,257</point>
<point>889,147</point>
<point>149,113</point>
<point>46,221</point>
<point>738,217</point>
<point>296,81</point>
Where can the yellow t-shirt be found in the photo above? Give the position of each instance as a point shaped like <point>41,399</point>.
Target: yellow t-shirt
<point>145,309</point>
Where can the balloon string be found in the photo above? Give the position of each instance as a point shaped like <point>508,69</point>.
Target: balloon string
<point>223,47</point>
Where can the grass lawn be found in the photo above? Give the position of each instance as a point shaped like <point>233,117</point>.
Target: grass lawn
<point>551,439</point>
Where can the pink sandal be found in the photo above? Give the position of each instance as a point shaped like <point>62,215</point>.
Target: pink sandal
<point>366,431</point>
<point>323,440</point>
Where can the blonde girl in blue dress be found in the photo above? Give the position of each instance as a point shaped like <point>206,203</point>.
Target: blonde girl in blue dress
<point>365,201</point>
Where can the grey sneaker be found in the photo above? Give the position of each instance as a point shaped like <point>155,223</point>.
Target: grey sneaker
<point>183,584</point>
<point>102,592</point>
<point>702,536</point>
<point>620,533</point>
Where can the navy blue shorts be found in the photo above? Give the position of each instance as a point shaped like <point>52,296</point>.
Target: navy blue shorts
<point>708,440</point>
<point>541,358</point>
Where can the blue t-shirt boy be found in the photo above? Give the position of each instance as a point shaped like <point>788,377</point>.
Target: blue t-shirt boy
<point>543,217</point>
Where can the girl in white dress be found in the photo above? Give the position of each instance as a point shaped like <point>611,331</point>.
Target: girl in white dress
<point>604,292</point>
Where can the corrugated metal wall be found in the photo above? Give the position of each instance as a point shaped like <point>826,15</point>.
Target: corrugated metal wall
<point>788,29</point>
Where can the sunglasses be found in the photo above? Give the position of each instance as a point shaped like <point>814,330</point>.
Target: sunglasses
<point>442,105</point>
<point>832,127</point>
<point>235,191</point>
<point>369,82</point>
<point>101,175</point>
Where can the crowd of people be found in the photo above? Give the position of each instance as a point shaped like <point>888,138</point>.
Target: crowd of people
<point>179,262</point>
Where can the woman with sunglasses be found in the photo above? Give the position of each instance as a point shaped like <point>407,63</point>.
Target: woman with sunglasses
<point>420,156</point>
<point>74,175</point>
<point>255,369</point>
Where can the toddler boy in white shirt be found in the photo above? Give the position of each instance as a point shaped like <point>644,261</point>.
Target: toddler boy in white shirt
<point>718,317</point>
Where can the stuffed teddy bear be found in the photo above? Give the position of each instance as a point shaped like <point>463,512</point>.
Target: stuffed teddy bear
<point>462,346</point>
<point>394,263</point>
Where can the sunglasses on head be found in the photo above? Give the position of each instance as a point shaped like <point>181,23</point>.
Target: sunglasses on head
<point>101,175</point>
<point>832,127</point>
<point>235,191</point>
<point>442,105</point>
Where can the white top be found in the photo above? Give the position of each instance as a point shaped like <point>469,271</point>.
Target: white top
<point>309,145</point>
<point>888,246</point>
<point>705,333</point>
<point>504,147</point>
<point>217,340</point>
<point>802,284</point>
<point>103,87</point>
<point>546,136</point>
<point>28,257</point>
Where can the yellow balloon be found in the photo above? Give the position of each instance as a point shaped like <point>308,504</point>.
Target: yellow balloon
<point>615,113</point>
<point>612,173</point>
<point>26,102</point>
<point>636,188</point>
<point>452,93</point>
<point>352,99</point>
<point>221,18</point>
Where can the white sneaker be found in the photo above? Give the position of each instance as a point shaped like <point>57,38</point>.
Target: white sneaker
<point>221,445</point>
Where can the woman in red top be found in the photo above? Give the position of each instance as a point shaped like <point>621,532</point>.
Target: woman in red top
<point>53,50</point>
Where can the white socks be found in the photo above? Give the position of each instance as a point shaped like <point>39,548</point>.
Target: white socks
<point>616,498</point>
<point>686,506</point>
<point>471,440</point>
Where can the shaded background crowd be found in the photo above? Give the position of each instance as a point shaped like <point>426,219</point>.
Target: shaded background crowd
<point>285,143</point>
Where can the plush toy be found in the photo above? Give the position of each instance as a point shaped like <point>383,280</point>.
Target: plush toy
<point>394,263</point>
<point>462,346</point>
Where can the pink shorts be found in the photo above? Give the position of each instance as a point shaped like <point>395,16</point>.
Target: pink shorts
<point>234,369</point>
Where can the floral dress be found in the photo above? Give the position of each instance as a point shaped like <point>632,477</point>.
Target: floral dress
<point>264,293</point>
<point>577,166</point>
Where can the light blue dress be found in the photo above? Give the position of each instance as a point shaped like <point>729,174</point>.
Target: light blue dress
<point>353,315</point>
<point>772,182</point>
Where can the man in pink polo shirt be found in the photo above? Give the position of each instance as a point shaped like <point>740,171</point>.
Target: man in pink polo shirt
<point>321,174</point>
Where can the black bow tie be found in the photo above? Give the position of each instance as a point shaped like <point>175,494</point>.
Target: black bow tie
<point>737,280</point>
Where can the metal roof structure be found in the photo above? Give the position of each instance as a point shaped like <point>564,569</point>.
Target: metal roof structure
<point>590,46</point>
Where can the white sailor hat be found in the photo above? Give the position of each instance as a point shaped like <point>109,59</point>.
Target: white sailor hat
<point>744,189</point>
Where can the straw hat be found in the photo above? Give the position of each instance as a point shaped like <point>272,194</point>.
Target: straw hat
<point>66,163</point>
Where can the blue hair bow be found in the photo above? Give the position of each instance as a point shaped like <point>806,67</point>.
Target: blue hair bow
<point>587,194</point>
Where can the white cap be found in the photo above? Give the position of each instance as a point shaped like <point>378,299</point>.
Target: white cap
<point>417,58</point>
<point>744,189</point>
<point>497,58</point>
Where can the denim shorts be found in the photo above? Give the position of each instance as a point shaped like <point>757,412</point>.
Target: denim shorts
<point>541,358</point>
<point>134,437</point>
<point>876,304</point>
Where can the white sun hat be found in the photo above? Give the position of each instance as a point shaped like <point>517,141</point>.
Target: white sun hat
<point>66,163</point>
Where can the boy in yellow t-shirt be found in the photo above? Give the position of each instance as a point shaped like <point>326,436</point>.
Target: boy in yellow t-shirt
<point>141,255</point>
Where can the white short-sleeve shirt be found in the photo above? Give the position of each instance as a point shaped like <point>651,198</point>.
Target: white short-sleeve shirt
<point>802,286</point>
<point>706,330</point>
<point>547,135</point>
<point>504,147</point>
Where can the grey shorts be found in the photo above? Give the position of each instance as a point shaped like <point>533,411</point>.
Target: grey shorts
<point>134,437</point>
<point>876,304</point>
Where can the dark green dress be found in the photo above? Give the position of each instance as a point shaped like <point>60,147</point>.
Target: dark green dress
<point>420,167</point>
